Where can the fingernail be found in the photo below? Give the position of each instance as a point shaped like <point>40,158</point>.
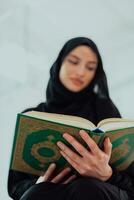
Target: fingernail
<point>81,131</point>
<point>65,134</point>
<point>69,169</point>
<point>59,143</point>
<point>108,139</point>
<point>53,164</point>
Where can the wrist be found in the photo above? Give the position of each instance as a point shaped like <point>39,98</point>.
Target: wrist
<point>108,174</point>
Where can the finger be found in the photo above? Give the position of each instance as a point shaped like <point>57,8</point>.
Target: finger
<point>61,175</point>
<point>90,142</point>
<point>49,171</point>
<point>75,157</point>
<point>74,164</point>
<point>70,179</point>
<point>77,146</point>
<point>107,146</point>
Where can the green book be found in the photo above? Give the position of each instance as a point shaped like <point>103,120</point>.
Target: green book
<point>36,135</point>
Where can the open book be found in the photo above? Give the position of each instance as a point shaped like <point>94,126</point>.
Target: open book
<point>36,135</point>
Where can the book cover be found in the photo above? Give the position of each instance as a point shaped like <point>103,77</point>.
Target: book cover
<point>34,147</point>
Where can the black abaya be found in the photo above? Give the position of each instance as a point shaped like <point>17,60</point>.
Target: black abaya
<point>89,104</point>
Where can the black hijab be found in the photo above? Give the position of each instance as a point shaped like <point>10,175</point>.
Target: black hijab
<point>92,103</point>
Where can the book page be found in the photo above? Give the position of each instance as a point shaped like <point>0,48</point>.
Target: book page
<point>115,123</point>
<point>64,119</point>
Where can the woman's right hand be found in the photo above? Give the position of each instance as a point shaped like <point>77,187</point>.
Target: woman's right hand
<point>58,178</point>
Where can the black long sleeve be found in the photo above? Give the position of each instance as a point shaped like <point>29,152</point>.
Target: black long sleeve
<point>124,179</point>
<point>19,182</point>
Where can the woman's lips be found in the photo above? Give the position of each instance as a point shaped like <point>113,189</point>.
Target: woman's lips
<point>77,82</point>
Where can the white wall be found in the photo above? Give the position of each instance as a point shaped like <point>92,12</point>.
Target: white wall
<point>31,35</point>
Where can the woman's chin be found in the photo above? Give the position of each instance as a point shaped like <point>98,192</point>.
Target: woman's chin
<point>74,89</point>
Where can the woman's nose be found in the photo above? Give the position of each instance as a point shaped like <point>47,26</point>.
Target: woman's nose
<point>81,71</point>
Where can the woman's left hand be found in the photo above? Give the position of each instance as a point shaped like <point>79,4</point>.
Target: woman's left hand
<point>93,162</point>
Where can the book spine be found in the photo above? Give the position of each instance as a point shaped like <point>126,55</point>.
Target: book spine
<point>15,138</point>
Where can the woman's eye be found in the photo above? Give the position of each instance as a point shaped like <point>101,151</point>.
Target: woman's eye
<point>91,68</point>
<point>73,62</point>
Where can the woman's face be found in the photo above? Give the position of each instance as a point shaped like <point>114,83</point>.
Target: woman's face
<point>78,68</point>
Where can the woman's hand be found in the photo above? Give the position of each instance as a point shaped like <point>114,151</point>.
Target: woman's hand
<point>93,162</point>
<point>58,178</point>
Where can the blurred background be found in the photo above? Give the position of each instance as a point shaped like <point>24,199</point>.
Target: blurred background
<point>31,35</point>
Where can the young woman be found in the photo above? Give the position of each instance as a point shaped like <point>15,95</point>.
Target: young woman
<point>77,86</point>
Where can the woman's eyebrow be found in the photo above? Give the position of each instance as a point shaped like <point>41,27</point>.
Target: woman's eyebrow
<point>72,55</point>
<point>91,62</point>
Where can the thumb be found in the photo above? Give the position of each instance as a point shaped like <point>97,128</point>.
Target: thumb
<point>107,146</point>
